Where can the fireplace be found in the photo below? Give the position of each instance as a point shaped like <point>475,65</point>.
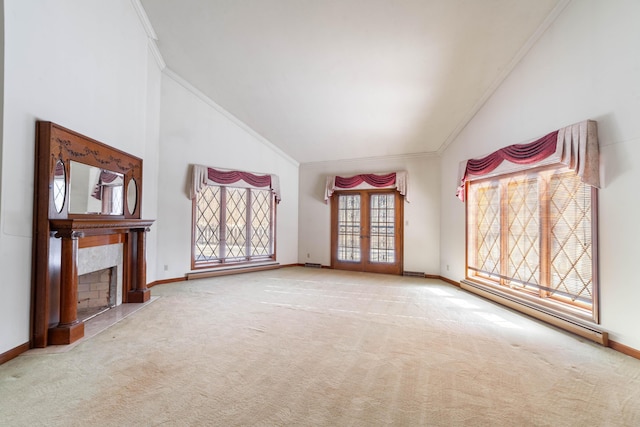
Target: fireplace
<point>80,228</point>
<point>99,277</point>
<point>96,292</point>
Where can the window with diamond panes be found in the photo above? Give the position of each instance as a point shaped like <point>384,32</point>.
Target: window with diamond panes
<point>349,227</point>
<point>531,233</point>
<point>382,228</point>
<point>232,225</point>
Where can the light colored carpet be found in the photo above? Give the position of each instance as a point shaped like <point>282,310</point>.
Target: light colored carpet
<point>309,347</point>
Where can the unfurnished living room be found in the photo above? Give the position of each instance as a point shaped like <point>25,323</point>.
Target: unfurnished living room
<point>319,213</point>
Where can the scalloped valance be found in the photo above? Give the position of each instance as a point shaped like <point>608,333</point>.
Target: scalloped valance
<point>575,146</point>
<point>398,180</point>
<point>204,175</point>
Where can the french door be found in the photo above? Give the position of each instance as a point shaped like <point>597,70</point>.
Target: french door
<point>367,231</point>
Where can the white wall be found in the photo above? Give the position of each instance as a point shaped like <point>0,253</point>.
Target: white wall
<point>194,130</point>
<point>84,65</point>
<point>586,66</point>
<point>422,216</point>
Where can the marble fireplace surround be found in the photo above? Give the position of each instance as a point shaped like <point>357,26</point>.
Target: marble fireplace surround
<point>96,258</point>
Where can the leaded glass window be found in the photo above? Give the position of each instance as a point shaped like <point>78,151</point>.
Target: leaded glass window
<point>233,225</point>
<point>532,233</point>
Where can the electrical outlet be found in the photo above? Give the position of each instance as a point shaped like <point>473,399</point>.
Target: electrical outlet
<point>308,255</point>
<point>166,267</point>
<point>447,267</point>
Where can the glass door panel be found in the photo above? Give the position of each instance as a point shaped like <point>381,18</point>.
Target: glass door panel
<point>349,228</point>
<point>366,231</point>
<point>382,230</point>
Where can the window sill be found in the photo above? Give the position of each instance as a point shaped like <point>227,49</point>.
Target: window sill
<point>224,270</point>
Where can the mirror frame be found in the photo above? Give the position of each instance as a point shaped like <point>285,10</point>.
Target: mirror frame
<point>58,203</point>
<point>66,145</point>
<point>131,197</point>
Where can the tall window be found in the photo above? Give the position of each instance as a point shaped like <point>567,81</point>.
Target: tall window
<point>232,225</point>
<point>531,234</point>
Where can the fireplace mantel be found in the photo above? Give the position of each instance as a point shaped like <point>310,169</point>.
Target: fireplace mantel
<point>69,328</point>
<point>86,194</point>
<point>94,227</point>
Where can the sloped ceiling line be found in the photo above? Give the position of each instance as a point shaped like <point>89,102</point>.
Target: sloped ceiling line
<point>346,79</point>
<point>549,20</point>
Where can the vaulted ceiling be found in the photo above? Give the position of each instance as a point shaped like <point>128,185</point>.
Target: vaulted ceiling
<point>342,79</point>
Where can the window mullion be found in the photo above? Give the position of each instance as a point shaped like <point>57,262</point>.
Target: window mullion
<point>248,224</point>
<point>272,223</point>
<point>504,231</point>
<point>545,234</point>
<point>223,224</point>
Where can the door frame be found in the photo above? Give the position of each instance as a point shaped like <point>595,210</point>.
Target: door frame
<point>364,264</point>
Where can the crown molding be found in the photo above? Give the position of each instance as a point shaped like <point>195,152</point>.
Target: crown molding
<point>144,19</point>
<point>242,125</point>
<point>524,50</point>
<point>153,47</point>
<point>151,34</point>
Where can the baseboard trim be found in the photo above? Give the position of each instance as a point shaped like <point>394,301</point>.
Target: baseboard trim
<point>14,352</point>
<point>164,281</point>
<point>629,351</point>
<point>229,271</point>
<point>444,279</point>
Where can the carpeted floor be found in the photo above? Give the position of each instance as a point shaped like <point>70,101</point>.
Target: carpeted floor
<point>310,347</point>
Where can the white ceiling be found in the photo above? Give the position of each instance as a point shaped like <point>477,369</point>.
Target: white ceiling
<point>341,79</point>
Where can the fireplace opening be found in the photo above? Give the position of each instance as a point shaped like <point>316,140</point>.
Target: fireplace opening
<point>97,292</point>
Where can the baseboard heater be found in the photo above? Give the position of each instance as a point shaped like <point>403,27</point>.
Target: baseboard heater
<point>312,265</point>
<point>582,329</point>
<point>236,269</point>
<point>413,274</point>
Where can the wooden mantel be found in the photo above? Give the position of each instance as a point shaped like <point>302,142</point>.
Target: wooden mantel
<point>62,157</point>
<point>69,328</point>
<point>92,227</point>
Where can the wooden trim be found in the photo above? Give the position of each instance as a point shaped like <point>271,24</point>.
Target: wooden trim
<point>229,271</point>
<point>365,239</point>
<point>14,352</point>
<point>165,281</point>
<point>444,279</point>
<point>91,241</point>
<point>629,351</point>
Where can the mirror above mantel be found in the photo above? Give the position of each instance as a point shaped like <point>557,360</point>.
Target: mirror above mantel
<point>95,191</point>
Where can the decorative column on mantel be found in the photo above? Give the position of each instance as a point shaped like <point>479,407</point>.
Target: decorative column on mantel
<point>140,292</point>
<point>69,329</point>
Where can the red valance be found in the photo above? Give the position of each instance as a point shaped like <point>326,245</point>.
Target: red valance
<point>574,146</point>
<point>203,175</point>
<point>398,180</point>
<point>106,177</point>
<point>370,178</point>
<point>522,154</point>
<point>230,177</point>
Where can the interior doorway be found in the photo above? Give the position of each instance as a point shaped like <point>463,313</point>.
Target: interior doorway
<point>367,231</point>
